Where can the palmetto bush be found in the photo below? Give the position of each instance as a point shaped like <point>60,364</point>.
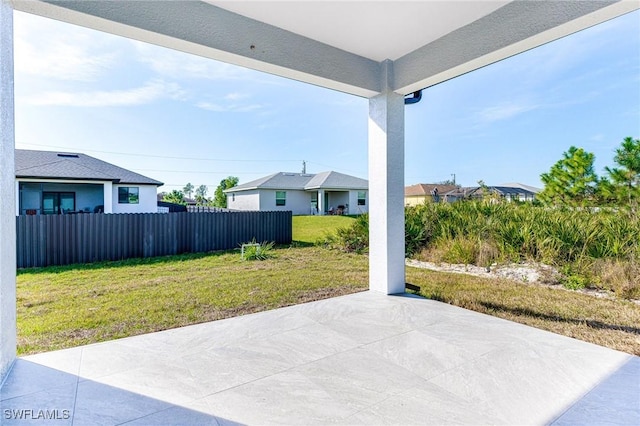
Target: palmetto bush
<point>528,232</point>
<point>480,233</point>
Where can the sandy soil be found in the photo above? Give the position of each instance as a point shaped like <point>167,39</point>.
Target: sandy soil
<point>526,273</point>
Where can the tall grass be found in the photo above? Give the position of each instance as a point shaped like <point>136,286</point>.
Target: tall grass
<point>528,232</point>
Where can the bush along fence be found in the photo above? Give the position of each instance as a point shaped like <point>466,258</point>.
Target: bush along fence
<point>45,240</point>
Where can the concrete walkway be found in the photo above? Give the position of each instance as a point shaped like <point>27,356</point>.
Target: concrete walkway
<point>365,358</point>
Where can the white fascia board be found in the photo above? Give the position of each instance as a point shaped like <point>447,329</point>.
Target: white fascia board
<point>513,29</point>
<point>46,180</point>
<point>336,188</point>
<point>202,29</point>
<point>230,190</point>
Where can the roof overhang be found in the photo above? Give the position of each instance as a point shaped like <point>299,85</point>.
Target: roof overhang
<point>341,45</point>
<point>336,188</point>
<point>65,179</point>
<point>80,180</point>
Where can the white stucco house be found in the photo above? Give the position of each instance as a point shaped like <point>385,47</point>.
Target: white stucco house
<point>49,182</point>
<point>302,194</point>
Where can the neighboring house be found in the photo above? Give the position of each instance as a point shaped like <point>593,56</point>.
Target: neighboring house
<point>49,182</point>
<point>507,191</point>
<point>421,192</point>
<point>302,194</point>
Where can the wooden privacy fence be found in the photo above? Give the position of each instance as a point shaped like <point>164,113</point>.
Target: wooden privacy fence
<point>45,240</point>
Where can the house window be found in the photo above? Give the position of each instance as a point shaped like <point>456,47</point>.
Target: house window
<point>128,195</point>
<point>233,197</point>
<point>281,198</point>
<point>58,202</point>
<point>362,198</point>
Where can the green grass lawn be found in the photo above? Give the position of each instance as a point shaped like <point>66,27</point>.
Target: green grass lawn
<point>308,229</point>
<point>74,305</point>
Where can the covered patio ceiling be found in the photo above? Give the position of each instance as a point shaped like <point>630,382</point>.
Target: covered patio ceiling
<point>341,44</point>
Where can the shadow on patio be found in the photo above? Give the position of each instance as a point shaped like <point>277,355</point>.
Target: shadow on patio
<point>364,358</point>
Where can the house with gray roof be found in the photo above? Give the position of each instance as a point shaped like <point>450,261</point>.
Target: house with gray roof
<point>50,182</point>
<point>507,191</point>
<point>302,194</point>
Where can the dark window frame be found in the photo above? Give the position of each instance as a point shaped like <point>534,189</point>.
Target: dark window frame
<point>362,201</point>
<point>57,201</point>
<point>127,196</point>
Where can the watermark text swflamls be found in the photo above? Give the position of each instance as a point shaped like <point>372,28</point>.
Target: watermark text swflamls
<point>31,414</point>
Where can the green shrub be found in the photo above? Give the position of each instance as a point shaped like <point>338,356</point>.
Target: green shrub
<point>574,282</point>
<point>257,251</point>
<point>353,238</point>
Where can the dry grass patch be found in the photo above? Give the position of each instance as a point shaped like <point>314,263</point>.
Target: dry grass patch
<point>611,323</point>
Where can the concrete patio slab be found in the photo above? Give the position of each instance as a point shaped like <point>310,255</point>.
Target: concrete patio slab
<point>364,358</point>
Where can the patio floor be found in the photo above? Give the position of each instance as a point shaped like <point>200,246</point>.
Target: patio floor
<point>364,358</point>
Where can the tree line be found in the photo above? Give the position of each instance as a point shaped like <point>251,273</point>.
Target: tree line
<point>219,198</point>
<point>572,180</point>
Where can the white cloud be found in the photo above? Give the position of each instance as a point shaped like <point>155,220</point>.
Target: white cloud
<point>504,111</point>
<point>150,92</point>
<point>228,108</point>
<point>171,63</point>
<point>52,49</point>
<point>236,96</point>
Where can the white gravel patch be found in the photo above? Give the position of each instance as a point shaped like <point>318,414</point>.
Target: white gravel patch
<point>526,273</point>
<point>522,272</point>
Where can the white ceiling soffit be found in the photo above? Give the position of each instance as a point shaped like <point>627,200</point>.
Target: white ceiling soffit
<point>376,30</point>
<point>340,44</point>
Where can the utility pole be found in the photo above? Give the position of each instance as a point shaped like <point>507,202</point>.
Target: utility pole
<point>304,167</point>
<point>454,178</point>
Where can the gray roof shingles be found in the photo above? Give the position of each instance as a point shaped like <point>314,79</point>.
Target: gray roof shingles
<point>71,165</point>
<point>300,181</point>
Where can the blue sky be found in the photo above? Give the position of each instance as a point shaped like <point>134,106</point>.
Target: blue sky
<point>179,118</point>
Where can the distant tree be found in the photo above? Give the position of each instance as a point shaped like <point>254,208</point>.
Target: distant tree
<point>175,196</point>
<point>220,198</point>
<point>188,190</point>
<point>202,191</point>
<point>447,182</point>
<point>201,196</point>
<point>571,181</point>
<point>623,183</point>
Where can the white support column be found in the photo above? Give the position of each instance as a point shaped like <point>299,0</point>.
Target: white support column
<point>386,189</point>
<point>107,198</point>
<point>321,206</point>
<point>7,195</point>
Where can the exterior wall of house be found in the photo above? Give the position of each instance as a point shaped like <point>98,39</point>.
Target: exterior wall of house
<point>417,200</point>
<point>244,200</point>
<point>297,201</point>
<point>88,194</point>
<point>147,199</point>
<point>354,208</point>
